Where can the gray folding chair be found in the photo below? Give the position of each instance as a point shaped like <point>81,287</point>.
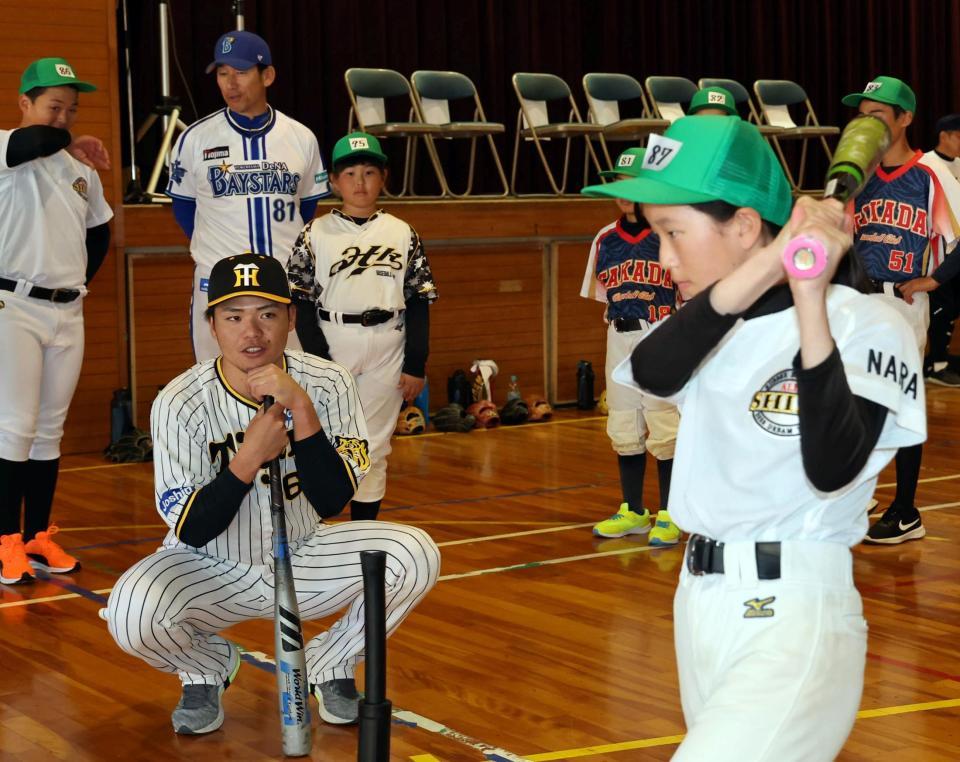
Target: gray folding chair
<point>741,97</point>
<point>433,91</point>
<point>369,90</point>
<point>775,97</point>
<point>670,96</point>
<point>534,92</point>
<point>605,93</point>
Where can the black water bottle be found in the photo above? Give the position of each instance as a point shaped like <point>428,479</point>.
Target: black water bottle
<point>121,414</point>
<point>585,398</point>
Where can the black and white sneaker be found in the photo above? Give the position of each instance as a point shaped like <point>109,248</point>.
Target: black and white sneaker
<point>945,377</point>
<point>339,701</point>
<point>896,526</point>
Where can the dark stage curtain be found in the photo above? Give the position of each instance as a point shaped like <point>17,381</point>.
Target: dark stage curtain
<point>831,47</point>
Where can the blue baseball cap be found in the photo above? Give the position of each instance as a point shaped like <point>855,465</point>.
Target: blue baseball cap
<point>241,50</point>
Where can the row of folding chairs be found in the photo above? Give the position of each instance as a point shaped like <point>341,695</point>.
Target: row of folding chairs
<point>548,111</point>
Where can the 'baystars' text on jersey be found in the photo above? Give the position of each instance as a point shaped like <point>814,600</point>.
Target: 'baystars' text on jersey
<point>197,423</point>
<point>346,267</point>
<point>624,271</point>
<point>248,184</point>
<point>904,220</point>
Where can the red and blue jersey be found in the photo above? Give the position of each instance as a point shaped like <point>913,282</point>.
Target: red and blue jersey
<point>624,271</point>
<point>905,220</point>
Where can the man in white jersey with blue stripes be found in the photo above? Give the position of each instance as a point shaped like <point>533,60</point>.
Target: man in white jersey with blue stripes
<point>245,178</point>
<point>212,447</point>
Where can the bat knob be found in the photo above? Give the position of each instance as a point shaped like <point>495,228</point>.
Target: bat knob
<point>804,257</point>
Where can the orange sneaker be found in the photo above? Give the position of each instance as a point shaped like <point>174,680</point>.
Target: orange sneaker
<point>45,554</point>
<point>14,565</point>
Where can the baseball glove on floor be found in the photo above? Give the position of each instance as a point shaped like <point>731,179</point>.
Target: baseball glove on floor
<point>514,412</point>
<point>410,421</point>
<point>453,418</point>
<point>135,446</point>
<point>486,414</point>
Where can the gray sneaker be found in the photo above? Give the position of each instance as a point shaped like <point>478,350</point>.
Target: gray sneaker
<point>339,701</point>
<point>199,709</point>
<point>945,377</point>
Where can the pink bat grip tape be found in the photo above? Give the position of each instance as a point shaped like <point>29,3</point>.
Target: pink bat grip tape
<point>804,257</point>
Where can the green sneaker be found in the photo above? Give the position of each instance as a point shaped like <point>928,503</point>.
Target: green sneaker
<point>624,522</point>
<point>664,532</point>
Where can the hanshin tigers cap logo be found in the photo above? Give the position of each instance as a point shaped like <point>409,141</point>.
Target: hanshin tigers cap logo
<point>248,275</point>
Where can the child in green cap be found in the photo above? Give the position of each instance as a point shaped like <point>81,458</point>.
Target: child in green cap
<point>363,285</point>
<point>623,273</point>
<point>789,412</point>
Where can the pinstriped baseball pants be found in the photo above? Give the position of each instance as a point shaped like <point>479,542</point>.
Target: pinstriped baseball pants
<point>169,608</point>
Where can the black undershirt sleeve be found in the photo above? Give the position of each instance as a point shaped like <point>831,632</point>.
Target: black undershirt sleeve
<point>308,329</point>
<point>98,241</point>
<point>29,143</point>
<point>417,340</point>
<point>324,477</point>
<point>213,507</point>
<point>838,430</point>
<point>666,359</point>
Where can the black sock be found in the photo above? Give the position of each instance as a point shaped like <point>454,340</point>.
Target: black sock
<point>908,474</point>
<point>632,469</point>
<point>664,471</point>
<point>38,495</point>
<point>364,511</point>
<point>12,478</point>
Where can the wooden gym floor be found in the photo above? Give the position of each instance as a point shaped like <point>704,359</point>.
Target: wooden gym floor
<point>540,642</point>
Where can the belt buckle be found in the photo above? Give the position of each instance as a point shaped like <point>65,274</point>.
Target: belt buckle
<point>372,317</point>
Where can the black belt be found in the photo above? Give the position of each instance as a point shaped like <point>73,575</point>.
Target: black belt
<point>705,556</point>
<point>878,288</point>
<point>623,325</point>
<point>59,295</point>
<point>368,318</point>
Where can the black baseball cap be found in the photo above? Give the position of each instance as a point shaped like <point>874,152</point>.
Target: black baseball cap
<point>948,123</point>
<point>248,275</point>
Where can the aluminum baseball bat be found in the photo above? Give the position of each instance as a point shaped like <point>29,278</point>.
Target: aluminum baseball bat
<point>291,660</point>
<point>863,142</point>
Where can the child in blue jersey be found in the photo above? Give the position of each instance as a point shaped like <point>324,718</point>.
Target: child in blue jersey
<point>623,270</point>
<point>905,224</point>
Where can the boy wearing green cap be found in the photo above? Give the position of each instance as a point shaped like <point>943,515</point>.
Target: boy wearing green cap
<point>713,101</point>
<point>905,224</point>
<point>363,285</point>
<point>788,418</point>
<point>623,272</point>
<point>53,239</point>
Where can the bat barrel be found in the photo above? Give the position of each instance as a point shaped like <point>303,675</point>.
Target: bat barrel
<point>375,709</point>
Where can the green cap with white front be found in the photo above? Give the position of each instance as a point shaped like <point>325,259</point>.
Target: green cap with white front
<point>713,97</point>
<point>358,144</point>
<point>708,158</point>
<point>52,72</point>
<point>889,90</point>
<point>628,163</point>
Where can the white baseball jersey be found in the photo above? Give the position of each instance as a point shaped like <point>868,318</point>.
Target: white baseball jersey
<point>738,472</point>
<point>248,184</point>
<point>932,158</point>
<point>197,423</point>
<point>46,206</point>
<point>349,268</point>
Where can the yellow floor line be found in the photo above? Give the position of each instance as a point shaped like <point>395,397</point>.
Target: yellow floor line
<point>103,465</point>
<point>513,534</point>
<point>646,743</point>
<point>925,481</point>
<point>938,506</point>
<point>423,758</point>
<point>444,522</point>
<point>47,599</point>
<point>118,526</point>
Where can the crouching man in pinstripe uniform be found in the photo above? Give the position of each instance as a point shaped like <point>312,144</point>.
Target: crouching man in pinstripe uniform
<point>212,442</point>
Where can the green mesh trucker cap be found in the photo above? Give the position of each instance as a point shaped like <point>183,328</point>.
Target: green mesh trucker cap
<point>708,158</point>
<point>889,90</point>
<point>628,163</point>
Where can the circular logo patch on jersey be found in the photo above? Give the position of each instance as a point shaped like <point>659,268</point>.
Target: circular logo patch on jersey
<point>775,408</point>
